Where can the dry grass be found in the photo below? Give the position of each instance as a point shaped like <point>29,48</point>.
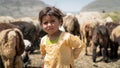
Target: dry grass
<point>114,15</point>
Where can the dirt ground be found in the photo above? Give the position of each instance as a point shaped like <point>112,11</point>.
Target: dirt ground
<point>82,61</point>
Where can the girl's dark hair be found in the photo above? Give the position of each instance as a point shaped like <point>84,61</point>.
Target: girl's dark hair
<point>51,11</point>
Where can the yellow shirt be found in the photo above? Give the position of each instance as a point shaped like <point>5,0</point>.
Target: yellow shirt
<point>62,53</point>
<point>49,42</point>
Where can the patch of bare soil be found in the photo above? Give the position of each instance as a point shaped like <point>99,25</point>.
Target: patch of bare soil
<point>82,61</point>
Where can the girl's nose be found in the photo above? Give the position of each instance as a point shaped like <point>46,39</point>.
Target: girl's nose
<point>49,24</point>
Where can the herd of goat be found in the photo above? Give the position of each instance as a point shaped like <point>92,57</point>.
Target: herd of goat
<point>91,27</point>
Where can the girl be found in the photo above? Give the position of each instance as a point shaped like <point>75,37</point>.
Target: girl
<point>59,48</point>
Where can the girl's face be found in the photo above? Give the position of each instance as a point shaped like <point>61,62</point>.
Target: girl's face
<point>50,24</point>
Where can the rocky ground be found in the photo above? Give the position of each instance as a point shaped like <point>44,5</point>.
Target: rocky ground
<point>83,61</point>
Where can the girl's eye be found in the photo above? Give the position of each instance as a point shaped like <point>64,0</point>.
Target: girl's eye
<point>53,21</point>
<point>45,22</point>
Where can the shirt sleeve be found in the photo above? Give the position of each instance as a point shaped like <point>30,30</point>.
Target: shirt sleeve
<point>42,47</point>
<point>76,44</point>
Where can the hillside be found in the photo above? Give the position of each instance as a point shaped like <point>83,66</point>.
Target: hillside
<point>100,5</point>
<point>21,8</point>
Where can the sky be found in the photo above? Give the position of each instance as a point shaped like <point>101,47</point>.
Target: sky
<point>68,5</point>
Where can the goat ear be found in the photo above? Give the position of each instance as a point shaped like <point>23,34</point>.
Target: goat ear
<point>20,46</point>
